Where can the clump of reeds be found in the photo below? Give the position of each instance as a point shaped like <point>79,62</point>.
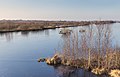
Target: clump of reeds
<point>92,49</point>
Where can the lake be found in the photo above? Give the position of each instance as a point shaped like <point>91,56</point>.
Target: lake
<point>19,52</point>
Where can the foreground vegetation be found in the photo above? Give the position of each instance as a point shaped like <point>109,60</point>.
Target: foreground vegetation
<point>92,50</point>
<point>31,25</point>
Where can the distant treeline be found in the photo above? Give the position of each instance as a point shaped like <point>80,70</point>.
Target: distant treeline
<point>31,25</point>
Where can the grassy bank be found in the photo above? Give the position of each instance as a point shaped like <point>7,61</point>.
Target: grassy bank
<point>32,25</point>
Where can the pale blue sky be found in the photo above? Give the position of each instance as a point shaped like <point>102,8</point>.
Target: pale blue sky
<point>60,9</point>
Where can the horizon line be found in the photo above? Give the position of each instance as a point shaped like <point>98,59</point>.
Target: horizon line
<point>58,20</point>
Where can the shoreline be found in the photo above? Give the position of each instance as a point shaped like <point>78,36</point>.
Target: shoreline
<point>57,60</point>
<point>7,26</point>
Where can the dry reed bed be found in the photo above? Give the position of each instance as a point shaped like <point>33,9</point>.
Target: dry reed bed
<point>29,25</point>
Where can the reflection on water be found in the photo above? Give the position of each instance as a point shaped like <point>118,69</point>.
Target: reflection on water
<point>64,71</point>
<point>8,36</point>
<point>25,33</point>
<point>64,36</point>
<point>67,71</point>
<point>47,32</point>
<point>37,32</point>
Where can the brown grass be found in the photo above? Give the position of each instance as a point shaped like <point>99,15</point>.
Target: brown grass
<point>29,25</point>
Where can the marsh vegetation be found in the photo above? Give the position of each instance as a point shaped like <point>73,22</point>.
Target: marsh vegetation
<point>91,50</point>
<point>33,25</point>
